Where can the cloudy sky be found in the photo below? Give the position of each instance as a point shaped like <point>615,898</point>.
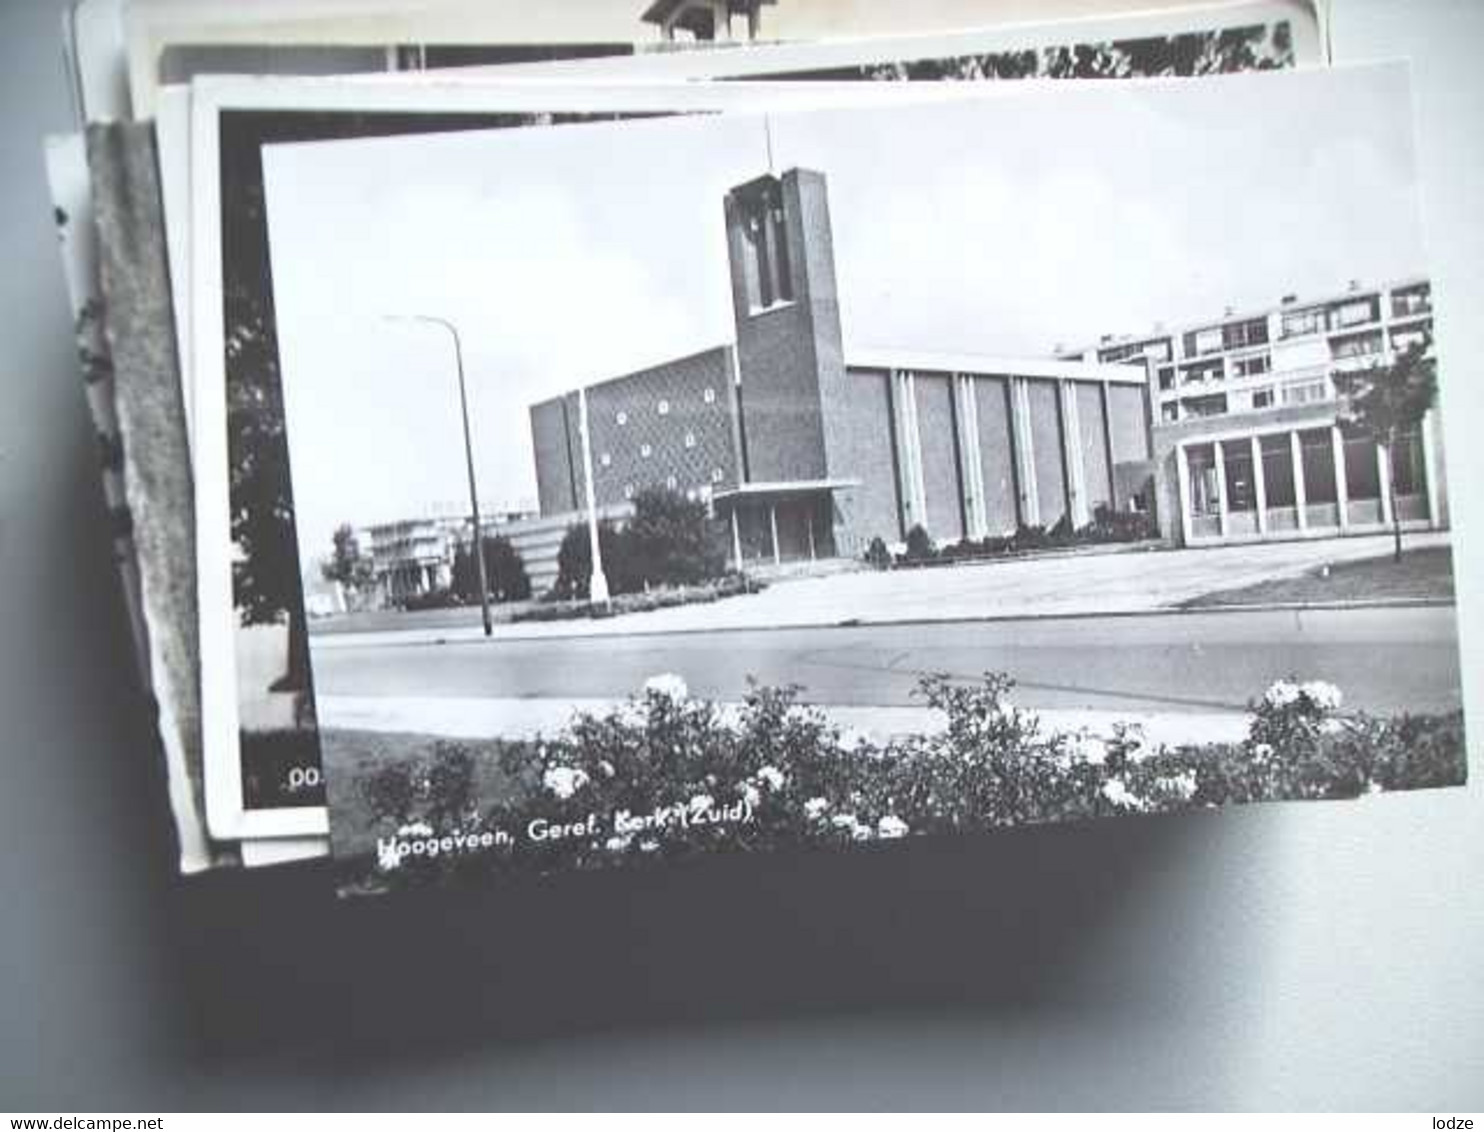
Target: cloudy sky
<point>1003,225</point>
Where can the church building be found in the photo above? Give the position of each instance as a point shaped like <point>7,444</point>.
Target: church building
<point>808,448</point>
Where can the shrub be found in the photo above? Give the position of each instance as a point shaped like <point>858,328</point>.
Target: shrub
<point>504,570</point>
<point>431,599</point>
<point>920,546</point>
<point>878,555</point>
<point>574,562</point>
<point>670,541</point>
<point>1111,525</point>
<point>669,775</point>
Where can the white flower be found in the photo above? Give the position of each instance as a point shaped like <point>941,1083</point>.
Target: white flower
<point>702,802</point>
<point>564,781</point>
<point>1087,747</point>
<point>750,794</point>
<point>618,844</point>
<point>607,768</point>
<point>1116,792</point>
<point>852,825</point>
<point>416,829</point>
<point>814,808</point>
<point>388,854</point>
<point>648,846</point>
<point>1281,693</point>
<point>891,826</point>
<point>1262,751</point>
<point>771,777</point>
<point>666,686</point>
<point>1322,694</point>
<point>731,717</point>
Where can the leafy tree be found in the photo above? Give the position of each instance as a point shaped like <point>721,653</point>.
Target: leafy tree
<point>348,565</point>
<point>670,540</point>
<point>504,571</point>
<point>1387,402</point>
<point>574,562</point>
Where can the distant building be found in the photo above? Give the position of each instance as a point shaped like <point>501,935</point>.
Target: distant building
<point>809,449</point>
<point>1247,433</point>
<point>705,20</point>
<point>411,557</point>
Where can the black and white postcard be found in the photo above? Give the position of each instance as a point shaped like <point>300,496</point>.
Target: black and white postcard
<point>827,477</point>
<point>262,766</point>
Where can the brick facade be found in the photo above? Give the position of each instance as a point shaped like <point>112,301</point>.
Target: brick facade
<point>805,455</point>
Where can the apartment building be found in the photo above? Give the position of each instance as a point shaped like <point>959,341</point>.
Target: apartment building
<point>1247,431</point>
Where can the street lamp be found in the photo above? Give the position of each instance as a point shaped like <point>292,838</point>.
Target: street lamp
<point>458,357</point>
<point>597,584</point>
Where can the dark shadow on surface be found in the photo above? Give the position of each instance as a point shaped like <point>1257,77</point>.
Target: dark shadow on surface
<point>273,966</point>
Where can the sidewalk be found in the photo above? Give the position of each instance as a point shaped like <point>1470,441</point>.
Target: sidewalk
<point>453,717</point>
<point>1134,582</point>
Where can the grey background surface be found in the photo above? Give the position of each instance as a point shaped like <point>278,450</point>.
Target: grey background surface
<point>1287,956</point>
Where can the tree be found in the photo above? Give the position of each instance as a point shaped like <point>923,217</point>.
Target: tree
<point>504,571</point>
<point>574,562</point>
<point>670,540</point>
<point>348,565</point>
<point>1388,402</point>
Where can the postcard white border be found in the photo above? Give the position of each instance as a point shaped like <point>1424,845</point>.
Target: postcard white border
<point>226,816</point>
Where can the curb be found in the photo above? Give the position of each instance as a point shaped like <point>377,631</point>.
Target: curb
<point>479,718</point>
<point>345,640</point>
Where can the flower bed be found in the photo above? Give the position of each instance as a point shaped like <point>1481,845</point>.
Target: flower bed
<point>663,597</point>
<point>1107,527</point>
<point>670,776</point>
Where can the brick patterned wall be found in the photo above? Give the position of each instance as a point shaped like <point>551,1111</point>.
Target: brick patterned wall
<point>626,421</point>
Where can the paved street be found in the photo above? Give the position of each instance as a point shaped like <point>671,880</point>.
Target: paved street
<point>1383,659</point>
<point>1123,581</point>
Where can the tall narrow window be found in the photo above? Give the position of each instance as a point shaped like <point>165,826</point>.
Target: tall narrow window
<point>767,255</point>
<point>784,280</point>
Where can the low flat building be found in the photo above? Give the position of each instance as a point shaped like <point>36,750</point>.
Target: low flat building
<point>412,557</point>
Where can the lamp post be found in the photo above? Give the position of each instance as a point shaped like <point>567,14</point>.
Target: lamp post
<point>458,357</point>
<point>597,585</point>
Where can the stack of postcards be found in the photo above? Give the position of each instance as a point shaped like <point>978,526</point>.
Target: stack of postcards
<point>534,449</point>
